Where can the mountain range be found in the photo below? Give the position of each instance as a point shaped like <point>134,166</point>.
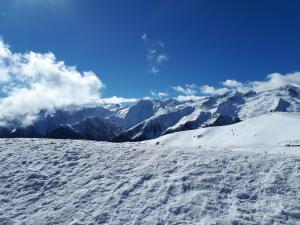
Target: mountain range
<point>149,119</point>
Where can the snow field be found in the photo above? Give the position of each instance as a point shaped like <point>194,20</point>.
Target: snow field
<point>84,182</point>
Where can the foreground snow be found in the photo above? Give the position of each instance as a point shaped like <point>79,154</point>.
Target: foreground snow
<point>83,182</point>
<point>267,133</point>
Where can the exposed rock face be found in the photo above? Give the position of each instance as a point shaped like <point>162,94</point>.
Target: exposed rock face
<point>201,118</point>
<point>24,132</point>
<point>4,132</point>
<point>223,120</point>
<point>97,129</point>
<point>155,126</point>
<point>64,132</point>
<point>281,105</point>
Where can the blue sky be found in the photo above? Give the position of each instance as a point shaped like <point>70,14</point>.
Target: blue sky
<point>205,42</point>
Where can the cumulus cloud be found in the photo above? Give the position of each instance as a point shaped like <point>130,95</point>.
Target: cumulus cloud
<point>210,90</point>
<point>276,80</point>
<point>272,81</point>
<point>155,54</point>
<point>31,82</point>
<point>232,83</point>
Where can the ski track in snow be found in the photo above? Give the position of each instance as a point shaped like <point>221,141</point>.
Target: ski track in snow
<point>84,182</point>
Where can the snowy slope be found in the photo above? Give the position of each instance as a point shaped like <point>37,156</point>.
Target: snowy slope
<point>130,116</point>
<point>271,132</point>
<point>83,182</point>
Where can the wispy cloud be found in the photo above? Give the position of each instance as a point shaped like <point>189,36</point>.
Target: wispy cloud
<point>189,98</point>
<point>186,90</point>
<point>159,94</point>
<point>193,89</point>
<point>117,100</point>
<point>156,55</point>
<point>162,58</point>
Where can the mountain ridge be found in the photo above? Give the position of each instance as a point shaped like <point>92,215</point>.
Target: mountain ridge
<point>148,119</point>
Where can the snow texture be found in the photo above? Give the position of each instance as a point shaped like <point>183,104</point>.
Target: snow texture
<point>44,181</point>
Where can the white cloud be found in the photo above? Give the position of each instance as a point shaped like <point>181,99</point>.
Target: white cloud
<point>161,58</point>
<point>117,100</point>
<point>276,80</point>
<point>155,54</point>
<point>147,98</point>
<point>159,94</point>
<point>162,94</point>
<point>154,70</point>
<point>187,90</point>
<point>4,76</point>
<point>210,90</point>
<point>144,36</point>
<point>273,81</point>
<point>184,98</point>
<point>31,82</point>
<point>232,83</point>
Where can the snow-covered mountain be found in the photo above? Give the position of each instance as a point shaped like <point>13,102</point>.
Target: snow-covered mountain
<point>130,116</point>
<point>148,119</point>
<point>49,121</point>
<point>92,128</point>
<point>74,123</point>
<point>173,116</point>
